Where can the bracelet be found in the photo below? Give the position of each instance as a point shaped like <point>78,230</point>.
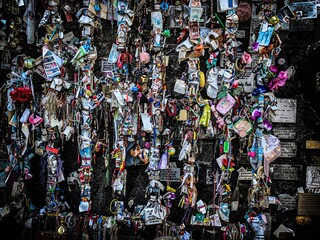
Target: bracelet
<point>117,204</point>
<point>239,66</point>
<point>171,109</point>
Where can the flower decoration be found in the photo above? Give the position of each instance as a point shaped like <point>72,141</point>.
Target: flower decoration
<point>166,33</point>
<point>21,94</point>
<point>255,46</point>
<point>246,58</point>
<point>273,69</point>
<point>256,114</point>
<point>267,125</point>
<point>225,163</point>
<point>279,81</point>
<point>252,154</point>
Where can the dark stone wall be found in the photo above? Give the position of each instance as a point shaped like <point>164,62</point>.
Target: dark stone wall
<point>300,49</point>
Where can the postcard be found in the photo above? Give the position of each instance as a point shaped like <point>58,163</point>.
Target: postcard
<point>51,63</point>
<point>304,10</point>
<point>264,37</point>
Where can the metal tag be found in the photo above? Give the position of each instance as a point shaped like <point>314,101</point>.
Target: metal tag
<point>309,204</point>
<point>312,144</point>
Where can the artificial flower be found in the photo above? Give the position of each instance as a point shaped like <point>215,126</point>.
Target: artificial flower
<point>256,114</point>
<point>246,58</point>
<point>252,154</point>
<point>255,46</point>
<point>225,162</point>
<point>166,33</point>
<point>279,81</point>
<point>21,94</point>
<point>267,125</point>
<point>283,75</point>
<point>273,68</point>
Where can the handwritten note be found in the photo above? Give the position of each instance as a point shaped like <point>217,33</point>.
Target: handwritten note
<point>288,149</point>
<point>286,112</point>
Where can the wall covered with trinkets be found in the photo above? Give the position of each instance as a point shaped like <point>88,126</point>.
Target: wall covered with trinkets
<point>147,119</point>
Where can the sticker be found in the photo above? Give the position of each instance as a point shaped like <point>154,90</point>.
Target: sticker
<point>209,176</point>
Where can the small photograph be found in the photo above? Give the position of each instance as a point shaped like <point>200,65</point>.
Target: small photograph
<point>285,14</point>
<point>304,10</point>
<point>264,38</point>
<point>176,16</point>
<point>3,24</point>
<point>48,59</point>
<point>195,3</point>
<point>52,72</point>
<point>196,14</point>
<point>109,74</point>
<point>50,65</point>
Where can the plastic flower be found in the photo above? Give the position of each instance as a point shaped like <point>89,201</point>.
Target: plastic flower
<point>252,154</point>
<point>283,75</point>
<point>267,125</point>
<point>256,114</point>
<point>246,58</point>
<point>279,81</point>
<point>273,68</point>
<point>21,94</point>
<point>166,33</point>
<point>255,46</point>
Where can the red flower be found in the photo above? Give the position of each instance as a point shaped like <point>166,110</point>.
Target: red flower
<point>21,94</point>
<point>225,163</point>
